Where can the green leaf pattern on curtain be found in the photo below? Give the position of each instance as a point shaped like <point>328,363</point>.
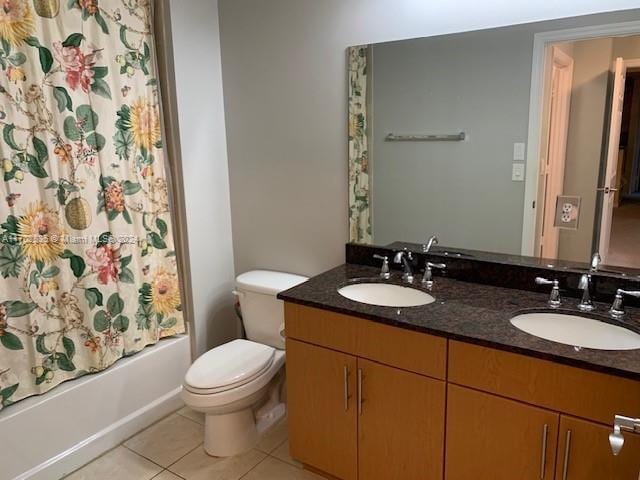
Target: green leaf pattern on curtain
<point>359,181</point>
<point>87,267</point>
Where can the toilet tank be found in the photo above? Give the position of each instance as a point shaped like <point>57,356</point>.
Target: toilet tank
<point>262,312</point>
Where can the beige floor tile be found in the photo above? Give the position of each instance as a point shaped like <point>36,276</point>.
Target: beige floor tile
<point>166,475</point>
<point>192,414</point>
<point>200,466</point>
<point>120,463</point>
<point>168,440</point>
<point>274,437</point>
<point>282,453</point>
<point>274,469</point>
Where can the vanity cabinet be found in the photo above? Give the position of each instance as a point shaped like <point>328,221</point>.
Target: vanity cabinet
<point>492,437</point>
<point>369,401</point>
<point>355,414</point>
<point>543,389</point>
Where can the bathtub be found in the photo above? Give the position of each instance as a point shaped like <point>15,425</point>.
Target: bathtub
<point>49,436</point>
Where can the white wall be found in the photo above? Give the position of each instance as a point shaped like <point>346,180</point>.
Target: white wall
<point>285,105</point>
<point>204,155</point>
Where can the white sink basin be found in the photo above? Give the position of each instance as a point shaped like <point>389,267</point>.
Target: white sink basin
<point>386,295</point>
<point>577,331</point>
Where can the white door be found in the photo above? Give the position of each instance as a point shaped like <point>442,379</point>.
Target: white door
<point>608,189</point>
<point>552,171</point>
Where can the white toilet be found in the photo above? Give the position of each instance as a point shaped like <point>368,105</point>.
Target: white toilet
<point>238,385</point>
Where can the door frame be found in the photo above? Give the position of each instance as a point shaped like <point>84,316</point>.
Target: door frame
<point>557,132</point>
<point>541,43</point>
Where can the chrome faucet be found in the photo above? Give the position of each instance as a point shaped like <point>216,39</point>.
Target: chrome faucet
<point>620,424</point>
<point>405,257</point>
<point>554,299</point>
<point>585,305</point>
<point>384,270</point>
<point>617,308</point>
<point>433,240</point>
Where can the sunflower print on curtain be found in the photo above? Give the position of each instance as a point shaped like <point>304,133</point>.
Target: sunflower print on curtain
<point>87,267</point>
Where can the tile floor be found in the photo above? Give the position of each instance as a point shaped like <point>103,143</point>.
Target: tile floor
<point>171,449</point>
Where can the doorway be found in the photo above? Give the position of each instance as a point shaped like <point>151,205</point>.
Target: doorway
<point>588,165</point>
<point>577,246</point>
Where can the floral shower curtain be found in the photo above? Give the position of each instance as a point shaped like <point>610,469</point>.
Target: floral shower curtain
<point>87,268</point>
<point>359,188</point>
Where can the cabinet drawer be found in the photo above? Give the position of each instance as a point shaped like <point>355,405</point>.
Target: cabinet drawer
<point>321,327</point>
<point>582,393</point>
<point>413,351</point>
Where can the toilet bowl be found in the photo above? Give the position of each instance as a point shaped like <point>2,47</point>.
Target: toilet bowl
<point>238,385</point>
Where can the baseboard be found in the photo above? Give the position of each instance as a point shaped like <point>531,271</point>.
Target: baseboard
<point>106,439</point>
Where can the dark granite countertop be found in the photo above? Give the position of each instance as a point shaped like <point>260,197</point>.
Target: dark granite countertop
<point>473,313</point>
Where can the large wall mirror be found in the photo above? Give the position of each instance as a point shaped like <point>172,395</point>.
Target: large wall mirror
<point>517,140</point>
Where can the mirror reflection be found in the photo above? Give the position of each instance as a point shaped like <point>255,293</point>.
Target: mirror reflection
<point>473,138</point>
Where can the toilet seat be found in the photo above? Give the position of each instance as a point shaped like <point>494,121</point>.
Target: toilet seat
<point>229,366</point>
<point>226,399</point>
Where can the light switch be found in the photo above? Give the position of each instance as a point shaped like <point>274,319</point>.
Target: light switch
<point>518,151</point>
<point>517,174</point>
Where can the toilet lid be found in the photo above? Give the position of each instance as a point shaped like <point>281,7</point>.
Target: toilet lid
<point>229,365</point>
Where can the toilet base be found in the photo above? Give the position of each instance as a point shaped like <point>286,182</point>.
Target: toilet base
<point>230,434</point>
<point>234,433</point>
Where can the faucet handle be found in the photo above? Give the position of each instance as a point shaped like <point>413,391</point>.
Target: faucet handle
<point>402,253</point>
<point>384,271</point>
<point>617,308</point>
<point>554,299</point>
<point>427,279</point>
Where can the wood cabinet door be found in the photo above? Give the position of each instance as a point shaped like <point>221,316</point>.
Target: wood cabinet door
<point>491,438</point>
<point>400,425</point>
<point>321,391</point>
<point>584,453</point>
